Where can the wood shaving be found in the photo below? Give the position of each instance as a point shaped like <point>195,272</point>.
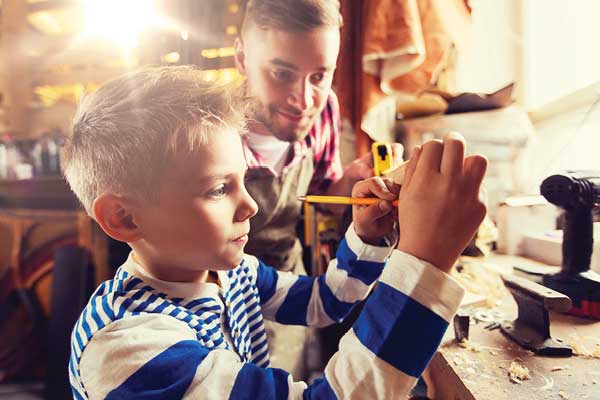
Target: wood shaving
<point>472,346</point>
<point>518,373</point>
<point>480,281</point>
<point>563,395</point>
<point>458,360</point>
<point>580,349</point>
<point>558,368</point>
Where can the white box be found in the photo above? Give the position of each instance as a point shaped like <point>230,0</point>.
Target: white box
<point>545,247</point>
<point>519,216</point>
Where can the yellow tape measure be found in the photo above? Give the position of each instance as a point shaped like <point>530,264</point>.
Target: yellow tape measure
<point>382,157</point>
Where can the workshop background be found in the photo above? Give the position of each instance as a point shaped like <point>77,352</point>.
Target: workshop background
<point>520,79</point>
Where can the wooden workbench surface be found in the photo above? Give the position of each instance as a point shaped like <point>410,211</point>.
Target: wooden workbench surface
<point>480,371</point>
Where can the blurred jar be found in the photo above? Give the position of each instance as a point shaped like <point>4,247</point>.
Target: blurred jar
<point>9,158</point>
<point>45,156</point>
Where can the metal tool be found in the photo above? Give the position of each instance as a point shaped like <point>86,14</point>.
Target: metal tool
<point>578,193</point>
<point>531,328</point>
<point>461,324</point>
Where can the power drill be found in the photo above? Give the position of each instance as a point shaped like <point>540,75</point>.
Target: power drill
<point>578,193</point>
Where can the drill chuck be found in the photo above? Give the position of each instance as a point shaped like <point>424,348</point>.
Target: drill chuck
<point>572,191</point>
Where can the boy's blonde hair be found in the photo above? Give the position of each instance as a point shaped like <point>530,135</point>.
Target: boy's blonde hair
<point>127,133</point>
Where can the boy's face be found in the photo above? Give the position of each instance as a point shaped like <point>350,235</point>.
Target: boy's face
<point>290,75</point>
<point>202,217</point>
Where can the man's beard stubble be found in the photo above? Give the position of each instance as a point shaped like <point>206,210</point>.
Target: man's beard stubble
<point>266,115</point>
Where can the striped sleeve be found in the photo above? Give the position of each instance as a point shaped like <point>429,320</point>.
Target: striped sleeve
<point>397,332</point>
<point>327,299</point>
<point>155,357</point>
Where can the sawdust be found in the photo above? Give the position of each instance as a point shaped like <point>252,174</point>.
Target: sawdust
<point>596,352</point>
<point>469,345</point>
<point>480,281</point>
<point>518,372</point>
<point>580,349</point>
<point>563,395</point>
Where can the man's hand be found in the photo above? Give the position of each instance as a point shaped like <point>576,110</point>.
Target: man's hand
<point>359,169</point>
<point>372,223</point>
<point>439,209</point>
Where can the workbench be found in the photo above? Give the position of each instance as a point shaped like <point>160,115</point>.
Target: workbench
<point>479,370</point>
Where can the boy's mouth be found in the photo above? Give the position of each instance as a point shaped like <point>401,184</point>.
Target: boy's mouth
<point>241,239</point>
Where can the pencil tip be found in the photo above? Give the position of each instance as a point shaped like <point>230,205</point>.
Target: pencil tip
<point>301,198</point>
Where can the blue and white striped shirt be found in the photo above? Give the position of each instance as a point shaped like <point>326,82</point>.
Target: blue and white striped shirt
<point>142,338</point>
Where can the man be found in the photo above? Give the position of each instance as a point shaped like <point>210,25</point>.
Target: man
<point>288,51</point>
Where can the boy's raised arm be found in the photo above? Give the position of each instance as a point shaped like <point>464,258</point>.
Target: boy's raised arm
<point>360,259</point>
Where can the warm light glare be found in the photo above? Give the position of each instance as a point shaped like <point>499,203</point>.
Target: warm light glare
<point>220,52</point>
<point>231,30</point>
<point>171,58</point>
<point>120,20</point>
<point>223,75</point>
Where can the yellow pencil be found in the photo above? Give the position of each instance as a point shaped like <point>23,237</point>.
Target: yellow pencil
<point>364,201</point>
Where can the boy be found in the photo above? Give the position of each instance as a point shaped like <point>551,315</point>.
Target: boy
<point>156,159</point>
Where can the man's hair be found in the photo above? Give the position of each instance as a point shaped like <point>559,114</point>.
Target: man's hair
<point>127,133</point>
<point>292,15</point>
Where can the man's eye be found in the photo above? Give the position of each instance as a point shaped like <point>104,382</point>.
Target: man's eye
<point>283,75</point>
<point>219,191</point>
<point>318,78</point>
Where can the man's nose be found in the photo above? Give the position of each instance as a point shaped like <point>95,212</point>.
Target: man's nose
<point>303,95</point>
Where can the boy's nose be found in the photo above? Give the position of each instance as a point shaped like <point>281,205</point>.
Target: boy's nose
<point>248,207</point>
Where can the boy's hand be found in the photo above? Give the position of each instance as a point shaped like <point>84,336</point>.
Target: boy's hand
<point>439,209</point>
<point>372,223</point>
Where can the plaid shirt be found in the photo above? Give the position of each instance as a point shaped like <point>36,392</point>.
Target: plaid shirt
<point>323,139</point>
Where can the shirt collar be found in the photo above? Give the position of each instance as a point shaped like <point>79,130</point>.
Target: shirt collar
<point>177,289</point>
<point>254,161</point>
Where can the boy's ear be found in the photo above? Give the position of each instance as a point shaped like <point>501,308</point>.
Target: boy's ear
<point>240,56</point>
<point>115,217</point>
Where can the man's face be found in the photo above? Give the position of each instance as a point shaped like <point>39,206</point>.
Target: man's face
<point>289,74</point>
<point>202,217</point>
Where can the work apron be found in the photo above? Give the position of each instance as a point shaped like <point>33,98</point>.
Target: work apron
<point>273,239</point>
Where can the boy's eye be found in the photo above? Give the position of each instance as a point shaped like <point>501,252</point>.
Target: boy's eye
<point>218,191</point>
